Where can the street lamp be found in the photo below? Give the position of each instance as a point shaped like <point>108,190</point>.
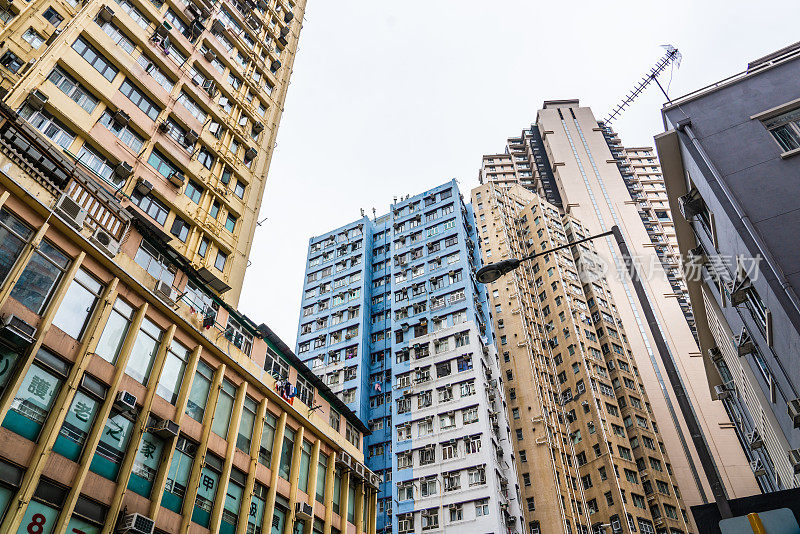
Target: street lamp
<point>493,271</point>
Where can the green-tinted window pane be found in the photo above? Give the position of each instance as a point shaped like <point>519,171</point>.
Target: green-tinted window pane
<point>198,395</point>
<point>77,525</point>
<point>321,473</point>
<point>112,446</point>
<point>175,489</point>
<point>32,403</point>
<point>77,424</point>
<point>38,515</point>
<point>337,489</point>
<point>267,439</point>
<point>5,498</point>
<point>286,454</point>
<point>209,479</point>
<point>351,503</point>
<point>222,413</point>
<point>114,332</point>
<point>145,465</point>
<point>278,521</point>
<point>144,351</point>
<point>230,510</point>
<point>255,515</point>
<point>305,466</point>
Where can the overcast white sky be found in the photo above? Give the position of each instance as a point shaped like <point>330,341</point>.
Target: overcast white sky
<point>394,97</point>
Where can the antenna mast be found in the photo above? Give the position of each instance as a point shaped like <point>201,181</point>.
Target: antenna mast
<point>673,56</point>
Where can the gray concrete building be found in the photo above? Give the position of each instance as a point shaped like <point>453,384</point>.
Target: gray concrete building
<point>731,161</point>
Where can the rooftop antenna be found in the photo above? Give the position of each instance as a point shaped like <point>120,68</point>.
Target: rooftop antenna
<point>673,56</point>
<point>374,214</point>
<point>362,212</point>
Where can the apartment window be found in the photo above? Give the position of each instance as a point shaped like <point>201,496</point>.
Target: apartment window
<point>80,418</point>
<point>223,409</point>
<point>267,439</point>
<point>36,395</point>
<point>287,450</point>
<point>178,475</point>
<point>114,332</point>
<point>153,207</point>
<point>233,501</point>
<point>180,229</point>
<point>238,189</point>
<point>53,17</point>
<point>40,277</point>
<point>169,383</point>
<point>156,265</point>
<point>73,89</point>
<point>192,107</point>
<point>140,362</point>
<point>50,127</point>
<point>202,249</point>
<point>161,164</point>
<point>206,158</point>
<point>33,38</point>
<point>11,61</point>
<point>95,59</point>
<point>219,263</point>
<point>78,304</point>
<point>99,164</point>
<point>146,462</point>
<point>207,491</point>
<point>785,128</point>
<point>194,191</point>
<point>246,423</point>
<point>230,223</point>
<point>124,133</point>
<point>322,470</point>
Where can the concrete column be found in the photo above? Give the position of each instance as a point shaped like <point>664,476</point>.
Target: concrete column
<point>294,478</point>
<point>20,264</point>
<point>359,508</point>
<point>329,485</point>
<point>312,482</point>
<point>372,523</point>
<point>202,447</point>
<point>344,500</point>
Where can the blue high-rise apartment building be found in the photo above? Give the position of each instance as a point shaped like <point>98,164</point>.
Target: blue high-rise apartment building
<point>395,323</point>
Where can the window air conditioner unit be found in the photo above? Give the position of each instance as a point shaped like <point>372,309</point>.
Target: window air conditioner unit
<point>190,137</point>
<point>344,459</point>
<point>19,328</point>
<point>722,392</point>
<point>105,14</point>
<point>754,440</point>
<point>36,99</point>
<point>715,353</point>
<point>177,179</point>
<point>690,204</point>
<point>164,290</point>
<point>359,469</point>
<point>164,127</point>
<point>758,468</point>
<point>408,392</point>
<point>258,127</point>
<point>794,458</point>
<point>738,291</point>
<point>303,511</point>
<point>107,244</point>
<point>123,169</point>
<point>250,154</point>
<point>121,118</point>
<point>143,187</point>
<point>284,31</point>
<point>276,64</point>
<point>793,407</point>
<point>72,211</point>
<point>136,524</point>
<point>744,343</point>
<point>125,401</point>
<point>288,17</point>
<point>210,55</point>
<point>166,429</point>
<point>217,26</point>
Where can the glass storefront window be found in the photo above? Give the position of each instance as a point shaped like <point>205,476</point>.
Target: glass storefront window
<point>233,502</point>
<point>258,503</point>
<point>145,464</point>
<point>76,426</point>
<point>111,448</point>
<point>178,476</point>
<point>206,493</point>
<point>34,400</point>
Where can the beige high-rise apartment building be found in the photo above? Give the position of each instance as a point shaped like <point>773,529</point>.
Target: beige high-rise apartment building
<point>566,158</point>
<point>589,451</point>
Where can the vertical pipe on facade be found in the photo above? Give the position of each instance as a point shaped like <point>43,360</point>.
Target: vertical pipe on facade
<point>49,433</point>
<point>199,458</point>
<point>138,430</point>
<point>93,439</point>
<point>277,446</point>
<point>159,483</point>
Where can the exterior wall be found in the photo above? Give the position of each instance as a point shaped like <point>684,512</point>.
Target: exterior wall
<point>417,290</point>
<point>85,481</point>
<point>727,156</point>
<point>239,105</point>
<point>577,406</point>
